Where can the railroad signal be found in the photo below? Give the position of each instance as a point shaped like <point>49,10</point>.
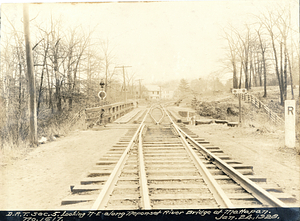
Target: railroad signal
<point>102,84</point>
<point>102,95</point>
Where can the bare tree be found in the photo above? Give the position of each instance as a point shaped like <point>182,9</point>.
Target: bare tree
<point>65,61</point>
<point>276,23</point>
<point>107,61</point>
<point>130,78</point>
<point>14,58</point>
<point>263,47</point>
<point>233,55</point>
<point>76,46</point>
<point>57,58</point>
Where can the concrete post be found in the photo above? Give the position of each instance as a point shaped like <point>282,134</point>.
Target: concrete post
<point>290,119</point>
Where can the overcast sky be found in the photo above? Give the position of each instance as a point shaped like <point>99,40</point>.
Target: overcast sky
<point>160,40</point>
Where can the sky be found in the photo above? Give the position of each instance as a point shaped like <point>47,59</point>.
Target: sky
<point>160,41</point>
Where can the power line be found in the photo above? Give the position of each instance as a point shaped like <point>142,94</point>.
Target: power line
<point>123,67</point>
<point>140,87</point>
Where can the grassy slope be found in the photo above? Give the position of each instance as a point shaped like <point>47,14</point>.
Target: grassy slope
<point>218,103</point>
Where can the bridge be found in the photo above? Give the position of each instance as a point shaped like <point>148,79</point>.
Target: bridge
<point>112,112</point>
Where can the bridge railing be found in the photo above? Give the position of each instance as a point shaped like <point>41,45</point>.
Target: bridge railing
<point>111,112</point>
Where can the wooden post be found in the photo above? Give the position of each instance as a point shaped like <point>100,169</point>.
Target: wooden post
<point>31,80</point>
<point>124,84</point>
<point>240,110</point>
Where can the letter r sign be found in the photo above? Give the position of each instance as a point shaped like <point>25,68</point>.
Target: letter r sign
<point>290,110</point>
<point>290,122</point>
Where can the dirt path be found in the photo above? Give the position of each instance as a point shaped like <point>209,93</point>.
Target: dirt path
<point>41,179</point>
<point>264,151</point>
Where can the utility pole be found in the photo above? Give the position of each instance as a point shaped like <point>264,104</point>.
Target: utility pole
<point>31,80</point>
<point>124,80</point>
<point>124,85</point>
<point>140,88</point>
<point>159,92</point>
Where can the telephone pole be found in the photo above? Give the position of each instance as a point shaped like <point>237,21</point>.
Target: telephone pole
<point>140,88</point>
<point>124,80</point>
<point>31,81</point>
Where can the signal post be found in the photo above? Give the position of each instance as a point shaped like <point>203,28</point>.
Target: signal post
<point>239,92</point>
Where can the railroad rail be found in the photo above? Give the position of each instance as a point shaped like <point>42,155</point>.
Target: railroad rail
<point>160,164</point>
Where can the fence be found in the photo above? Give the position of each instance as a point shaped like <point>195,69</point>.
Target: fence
<point>249,98</point>
<point>113,111</point>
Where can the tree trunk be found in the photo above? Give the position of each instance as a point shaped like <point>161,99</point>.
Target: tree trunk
<point>255,73</point>
<point>57,80</point>
<point>277,70</point>
<point>40,92</point>
<point>70,99</point>
<point>58,96</point>
<point>20,103</point>
<point>250,73</point>
<point>285,70</point>
<point>49,89</point>
<point>265,79</point>
<point>263,50</point>
<point>281,73</point>
<point>246,80</point>
<point>31,82</point>
<point>291,77</point>
<point>246,75</point>
<point>259,67</point>
<point>75,75</point>
<point>241,74</point>
<point>41,85</point>
<point>234,80</point>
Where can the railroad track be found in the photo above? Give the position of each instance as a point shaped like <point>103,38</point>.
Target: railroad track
<point>162,165</point>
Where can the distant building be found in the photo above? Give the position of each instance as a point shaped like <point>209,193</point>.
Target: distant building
<point>156,92</point>
<point>153,92</point>
<point>166,94</point>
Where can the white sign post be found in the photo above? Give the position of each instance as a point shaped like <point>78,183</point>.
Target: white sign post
<point>290,123</point>
<point>240,91</point>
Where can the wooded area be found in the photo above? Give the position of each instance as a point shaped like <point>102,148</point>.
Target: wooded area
<point>68,67</point>
<point>70,61</point>
<point>264,50</point>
